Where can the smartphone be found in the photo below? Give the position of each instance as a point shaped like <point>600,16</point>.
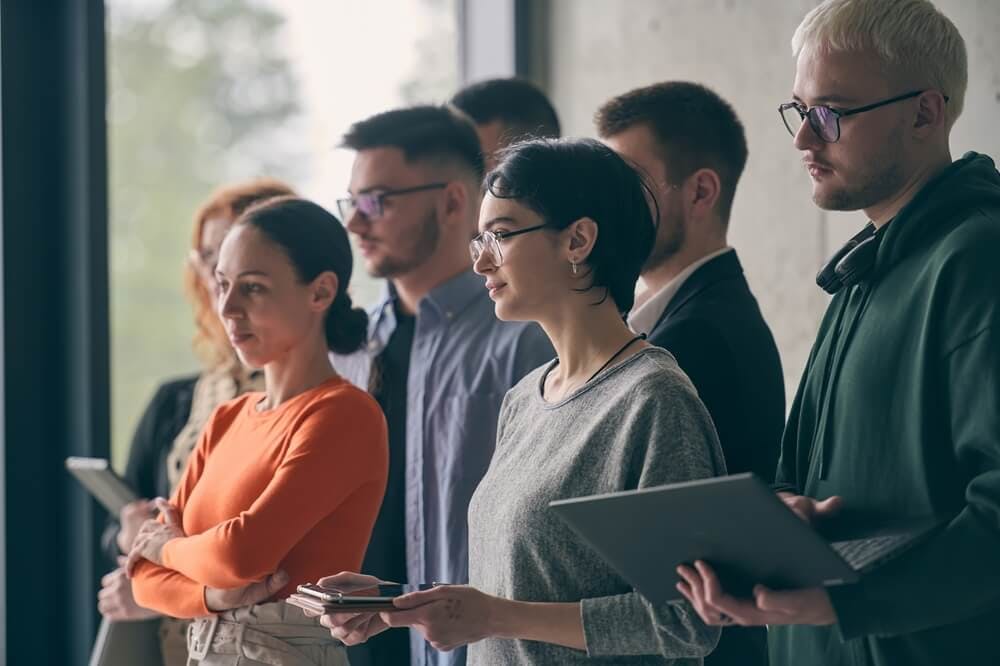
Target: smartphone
<point>348,599</point>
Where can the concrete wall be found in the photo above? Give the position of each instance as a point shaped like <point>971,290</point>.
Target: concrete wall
<point>600,48</point>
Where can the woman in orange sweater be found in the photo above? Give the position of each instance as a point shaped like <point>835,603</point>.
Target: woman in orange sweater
<point>284,484</point>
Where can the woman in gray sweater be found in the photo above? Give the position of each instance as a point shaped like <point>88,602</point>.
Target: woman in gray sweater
<point>610,413</point>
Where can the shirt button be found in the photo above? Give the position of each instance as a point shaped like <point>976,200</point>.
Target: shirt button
<point>372,346</point>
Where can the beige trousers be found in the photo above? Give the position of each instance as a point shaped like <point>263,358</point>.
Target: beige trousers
<point>273,634</point>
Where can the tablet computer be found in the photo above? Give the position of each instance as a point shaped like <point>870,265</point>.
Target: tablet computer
<point>97,476</point>
<point>739,526</point>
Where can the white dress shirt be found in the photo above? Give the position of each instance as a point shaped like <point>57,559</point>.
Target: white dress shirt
<point>650,307</point>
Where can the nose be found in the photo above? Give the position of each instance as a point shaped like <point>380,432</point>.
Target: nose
<point>357,223</point>
<point>806,138</point>
<point>484,264</point>
<point>228,304</point>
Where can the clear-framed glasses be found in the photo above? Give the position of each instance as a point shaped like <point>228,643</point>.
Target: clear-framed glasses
<point>488,242</point>
<point>371,204</point>
<point>825,120</point>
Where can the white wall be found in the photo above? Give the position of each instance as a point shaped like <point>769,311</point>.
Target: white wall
<point>601,48</point>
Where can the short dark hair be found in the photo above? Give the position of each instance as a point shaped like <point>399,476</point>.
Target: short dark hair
<point>695,128</point>
<point>422,133</point>
<point>564,180</point>
<point>314,241</point>
<point>520,105</point>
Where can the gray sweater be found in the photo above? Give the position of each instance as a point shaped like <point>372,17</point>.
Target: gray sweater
<point>637,424</point>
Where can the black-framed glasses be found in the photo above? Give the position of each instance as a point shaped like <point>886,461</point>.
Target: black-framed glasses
<point>488,242</point>
<point>825,120</point>
<point>372,204</point>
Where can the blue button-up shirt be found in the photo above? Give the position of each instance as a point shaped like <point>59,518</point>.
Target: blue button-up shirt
<point>462,363</point>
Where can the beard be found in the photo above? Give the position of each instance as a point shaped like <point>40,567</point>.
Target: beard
<point>426,237</point>
<point>880,178</point>
<point>669,238</point>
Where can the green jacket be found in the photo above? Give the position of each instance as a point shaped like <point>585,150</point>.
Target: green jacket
<point>898,411</point>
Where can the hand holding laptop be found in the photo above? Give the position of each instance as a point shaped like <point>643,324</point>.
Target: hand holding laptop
<point>739,553</point>
<point>809,509</point>
<point>700,585</point>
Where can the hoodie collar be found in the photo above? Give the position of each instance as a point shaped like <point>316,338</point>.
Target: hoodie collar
<point>968,183</point>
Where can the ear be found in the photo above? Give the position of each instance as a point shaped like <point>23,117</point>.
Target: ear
<point>455,203</point>
<point>701,191</point>
<point>931,113</point>
<point>581,236</point>
<point>323,291</point>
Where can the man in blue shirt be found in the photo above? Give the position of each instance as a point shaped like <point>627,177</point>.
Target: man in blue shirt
<point>437,359</point>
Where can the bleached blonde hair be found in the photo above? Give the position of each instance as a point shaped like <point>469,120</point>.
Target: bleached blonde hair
<point>915,41</point>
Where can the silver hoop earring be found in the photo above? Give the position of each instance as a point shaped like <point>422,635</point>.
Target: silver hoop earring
<point>575,269</point>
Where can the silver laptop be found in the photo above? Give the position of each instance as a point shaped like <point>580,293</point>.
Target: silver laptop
<point>738,525</point>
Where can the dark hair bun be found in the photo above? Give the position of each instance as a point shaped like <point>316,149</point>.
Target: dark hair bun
<point>346,326</point>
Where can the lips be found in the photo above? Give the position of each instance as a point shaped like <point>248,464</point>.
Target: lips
<point>817,170</point>
<point>494,287</point>
<point>239,338</point>
<point>366,245</point>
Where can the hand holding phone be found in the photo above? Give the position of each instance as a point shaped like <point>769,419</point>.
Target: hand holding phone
<point>348,598</point>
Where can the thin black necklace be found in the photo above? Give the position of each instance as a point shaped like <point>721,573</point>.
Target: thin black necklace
<point>641,336</point>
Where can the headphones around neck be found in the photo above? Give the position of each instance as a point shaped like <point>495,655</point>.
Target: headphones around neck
<point>851,263</point>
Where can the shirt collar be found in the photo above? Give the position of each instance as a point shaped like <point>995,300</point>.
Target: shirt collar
<point>448,298</point>
<point>644,318</point>
<point>453,296</point>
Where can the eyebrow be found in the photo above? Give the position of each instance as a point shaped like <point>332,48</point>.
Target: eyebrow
<point>498,220</point>
<point>370,188</point>
<point>244,273</point>
<point>827,99</point>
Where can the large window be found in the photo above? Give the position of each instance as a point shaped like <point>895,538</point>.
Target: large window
<point>203,93</point>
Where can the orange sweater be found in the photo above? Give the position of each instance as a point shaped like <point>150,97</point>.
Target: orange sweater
<point>297,487</point>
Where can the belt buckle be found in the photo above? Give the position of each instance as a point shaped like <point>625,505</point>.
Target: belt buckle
<point>203,630</point>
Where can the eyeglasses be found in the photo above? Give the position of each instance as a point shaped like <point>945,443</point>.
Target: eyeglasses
<point>825,120</point>
<point>488,242</point>
<point>371,204</point>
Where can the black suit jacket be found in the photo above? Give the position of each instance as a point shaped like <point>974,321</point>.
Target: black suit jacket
<point>715,330</point>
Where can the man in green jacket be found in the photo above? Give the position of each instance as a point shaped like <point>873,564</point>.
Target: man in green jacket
<point>898,411</point>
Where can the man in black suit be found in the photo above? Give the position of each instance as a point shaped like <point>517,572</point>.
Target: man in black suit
<point>696,303</point>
